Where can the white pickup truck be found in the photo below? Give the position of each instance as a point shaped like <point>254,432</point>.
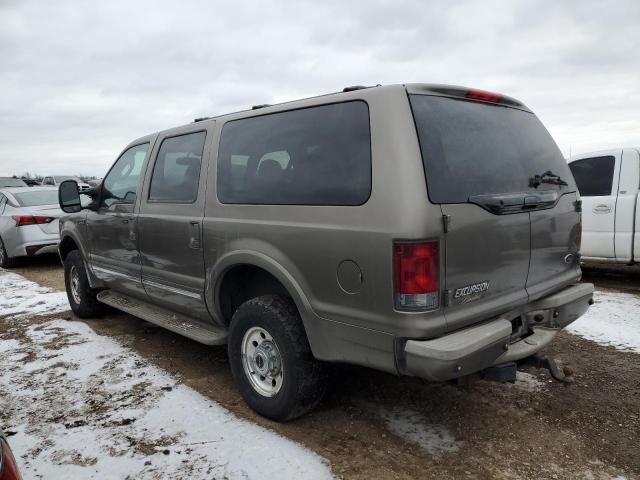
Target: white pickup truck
<point>609,185</point>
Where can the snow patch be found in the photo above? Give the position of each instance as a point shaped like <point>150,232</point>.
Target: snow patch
<point>528,382</point>
<point>413,427</point>
<point>84,406</point>
<point>614,319</point>
<point>19,296</point>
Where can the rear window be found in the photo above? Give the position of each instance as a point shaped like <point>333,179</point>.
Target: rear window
<point>313,156</point>
<point>594,176</point>
<point>40,197</point>
<point>472,148</point>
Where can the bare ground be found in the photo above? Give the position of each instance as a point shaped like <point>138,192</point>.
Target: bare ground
<point>589,429</point>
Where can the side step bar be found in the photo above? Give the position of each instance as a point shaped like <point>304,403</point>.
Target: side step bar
<point>180,324</point>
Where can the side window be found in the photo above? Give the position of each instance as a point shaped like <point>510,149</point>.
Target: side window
<point>121,183</point>
<point>594,176</point>
<point>47,181</point>
<point>176,173</point>
<point>312,156</point>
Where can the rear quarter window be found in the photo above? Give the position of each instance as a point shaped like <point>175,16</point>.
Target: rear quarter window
<point>594,176</point>
<point>312,156</point>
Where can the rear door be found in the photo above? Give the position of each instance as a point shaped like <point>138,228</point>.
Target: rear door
<point>170,225</point>
<point>597,179</point>
<point>481,160</point>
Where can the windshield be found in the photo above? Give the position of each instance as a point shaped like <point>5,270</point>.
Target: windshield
<point>39,197</point>
<point>12,182</point>
<point>472,148</point>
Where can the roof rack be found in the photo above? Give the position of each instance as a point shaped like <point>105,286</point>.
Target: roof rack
<point>262,105</point>
<point>200,119</point>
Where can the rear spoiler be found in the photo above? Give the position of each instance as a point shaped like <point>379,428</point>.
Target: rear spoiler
<point>466,93</point>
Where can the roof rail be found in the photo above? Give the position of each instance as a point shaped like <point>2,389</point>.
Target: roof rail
<point>262,105</point>
<point>358,87</point>
<point>200,119</point>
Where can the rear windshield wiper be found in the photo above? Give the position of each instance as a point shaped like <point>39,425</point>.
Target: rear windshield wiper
<point>546,177</point>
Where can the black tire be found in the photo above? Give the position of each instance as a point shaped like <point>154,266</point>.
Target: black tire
<point>88,305</point>
<point>5,260</point>
<point>304,378</point>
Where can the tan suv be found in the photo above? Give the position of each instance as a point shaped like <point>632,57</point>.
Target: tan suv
<point>422,230</point>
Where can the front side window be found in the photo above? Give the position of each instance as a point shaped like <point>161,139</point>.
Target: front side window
<point>120,186</point>
<point>176,173</point>
<point>312,156</point>
<point>594,176</point>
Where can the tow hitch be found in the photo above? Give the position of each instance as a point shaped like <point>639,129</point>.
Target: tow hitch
<point>506,372</point>
<point>557,371</point>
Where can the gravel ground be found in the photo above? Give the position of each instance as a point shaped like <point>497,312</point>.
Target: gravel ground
<point>374,425</point>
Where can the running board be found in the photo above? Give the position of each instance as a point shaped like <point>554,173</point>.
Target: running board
<point>180,324</point>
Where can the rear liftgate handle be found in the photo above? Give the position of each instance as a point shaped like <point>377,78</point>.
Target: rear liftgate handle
<point>195,235</point>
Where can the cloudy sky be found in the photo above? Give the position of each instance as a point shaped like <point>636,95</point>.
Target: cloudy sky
<point>80,79</point>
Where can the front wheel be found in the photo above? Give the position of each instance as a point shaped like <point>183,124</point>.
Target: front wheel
<point>271,360</point>
<point>82,298</point>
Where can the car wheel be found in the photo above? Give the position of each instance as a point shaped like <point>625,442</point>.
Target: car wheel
<point>271,360</point>
<point>82,298</point>
<point>5,260</point>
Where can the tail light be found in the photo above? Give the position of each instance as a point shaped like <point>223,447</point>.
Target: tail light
<point>579,236</point>
<point>22,220</point>
<point>483,96</point>
<point>8,467</point>
<point>416,275</point>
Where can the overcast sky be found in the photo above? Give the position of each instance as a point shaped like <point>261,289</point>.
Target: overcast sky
<point>79,80</point>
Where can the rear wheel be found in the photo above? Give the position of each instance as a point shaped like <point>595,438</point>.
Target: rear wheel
<point>82,298</point>
<point>5,260</point>
<point>271,360</point>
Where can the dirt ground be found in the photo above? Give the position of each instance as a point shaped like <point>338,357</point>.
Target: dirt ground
<point>588,430</point>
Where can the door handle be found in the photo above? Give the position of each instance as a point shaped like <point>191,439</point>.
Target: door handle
<point>602,208</point>
<point>195,235</point>
<point>132,227</point>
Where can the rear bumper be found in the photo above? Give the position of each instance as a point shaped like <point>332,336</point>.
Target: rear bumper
<point>36,247</point>
<point>512,336</point>
<point>30,240</point>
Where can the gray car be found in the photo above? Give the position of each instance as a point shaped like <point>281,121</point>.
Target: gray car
<point>12,182</point>
<point>421,230</point>
<point>28,223</point>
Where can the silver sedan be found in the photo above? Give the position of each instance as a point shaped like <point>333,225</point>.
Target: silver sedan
<point>28,222</point>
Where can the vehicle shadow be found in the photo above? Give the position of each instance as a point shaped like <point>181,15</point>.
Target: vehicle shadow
<point>376,425</point>
<point>619,277</point>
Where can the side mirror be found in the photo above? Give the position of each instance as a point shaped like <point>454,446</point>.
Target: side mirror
<point>69,197</point>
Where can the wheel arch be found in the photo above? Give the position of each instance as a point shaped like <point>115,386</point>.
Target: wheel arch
<point>66,245</point>
<point>241,275</point>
